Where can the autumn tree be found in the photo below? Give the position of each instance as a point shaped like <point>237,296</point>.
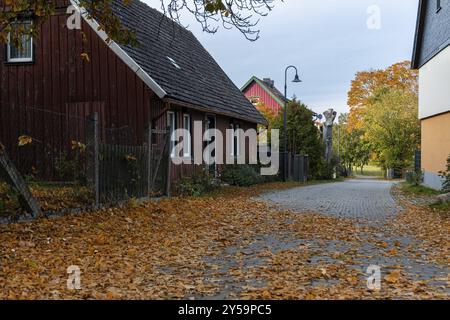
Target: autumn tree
<point>392,128</point>
<point>368,86</point>
<point>242,15</point>
<point>267,112</point>
<point>350,145</point>
<point>383,114</point>
<point>270,115</point>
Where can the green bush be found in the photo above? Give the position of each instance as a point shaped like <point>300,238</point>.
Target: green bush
<point>325,171</point>
<point>241,176</point>
<point>420,190</point>
<point>414,177</point>
<point>70,169</point>
<point>197,185</point>
<point>446,176</point>
<point>9,198</point>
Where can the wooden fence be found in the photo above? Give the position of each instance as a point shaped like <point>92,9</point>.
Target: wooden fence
<point>297,166</point>
<point>118,172</point>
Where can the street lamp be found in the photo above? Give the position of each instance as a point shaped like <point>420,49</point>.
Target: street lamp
<point>296,80</point>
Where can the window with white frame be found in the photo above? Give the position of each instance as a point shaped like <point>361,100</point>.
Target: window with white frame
<point>187,137</point>
<point>20,50</point>
<point>238,140</point>
<point>255,100</point>
<point>171,123</point>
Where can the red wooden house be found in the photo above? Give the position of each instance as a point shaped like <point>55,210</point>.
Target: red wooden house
<point>169,78</point>
<point>264,92</point>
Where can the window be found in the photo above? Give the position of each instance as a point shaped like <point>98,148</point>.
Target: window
<point>187,139</point>
<point>237,136</point>
<point>23,53</point>
<point>174,63</point>
<point>255,100</point>
<point>171,123</point>
<point>438,5</point>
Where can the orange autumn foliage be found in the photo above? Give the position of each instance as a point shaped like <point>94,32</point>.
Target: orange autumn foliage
<point>368,84</point>
<point>267,112</point>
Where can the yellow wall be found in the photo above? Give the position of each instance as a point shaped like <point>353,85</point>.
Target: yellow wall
<point>435,142</point>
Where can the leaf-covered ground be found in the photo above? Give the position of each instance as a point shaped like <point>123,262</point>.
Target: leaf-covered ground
<point>225,246</point>
<point>51,198</point>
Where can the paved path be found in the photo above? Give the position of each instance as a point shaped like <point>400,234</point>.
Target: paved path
<point>367,198</point>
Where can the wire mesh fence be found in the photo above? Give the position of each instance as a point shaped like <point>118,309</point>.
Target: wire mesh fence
<point>69,157</point>
<point>123,172</point>
<point>44,144</point>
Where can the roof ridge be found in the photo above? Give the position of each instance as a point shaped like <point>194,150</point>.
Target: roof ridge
<point>199,80</point>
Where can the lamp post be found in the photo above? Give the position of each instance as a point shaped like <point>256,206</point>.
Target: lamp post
<point>296,80</point>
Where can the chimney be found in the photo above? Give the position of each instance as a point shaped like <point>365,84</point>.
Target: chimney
<point>269,82</point>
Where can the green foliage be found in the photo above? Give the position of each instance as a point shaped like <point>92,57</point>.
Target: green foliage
<point>197,185</point>
<point>70,169</point>
<point>442,206</point>
<point>383,125</point>
<point>350,145</point>
<point>390,134</point>
<point>326,170</point>
<point>418,189</point>
<point>9,197</point>
<point>133,166</point>
<point>241,176</point>
<point>415,178</point>
<point>446,176</point>
<point>372,171</point>
<point>303,136</point>
<point>392,128</point>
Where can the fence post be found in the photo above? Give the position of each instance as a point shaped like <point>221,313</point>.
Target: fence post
<point>93,154</point>
<point>12,176</point>
<point>306,168</point>
<point>418,161</point>
<point>169,161</point>
<point>149,161</point>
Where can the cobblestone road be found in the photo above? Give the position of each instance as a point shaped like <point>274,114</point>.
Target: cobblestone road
<point>363,198</point>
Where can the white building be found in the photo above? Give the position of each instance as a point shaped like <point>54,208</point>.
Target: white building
<point>432,57</point>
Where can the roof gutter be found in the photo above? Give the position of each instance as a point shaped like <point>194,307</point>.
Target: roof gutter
<point>144,76</point>
<point>204,109</point>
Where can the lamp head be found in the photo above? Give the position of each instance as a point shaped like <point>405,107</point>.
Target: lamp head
<point>297,79</point>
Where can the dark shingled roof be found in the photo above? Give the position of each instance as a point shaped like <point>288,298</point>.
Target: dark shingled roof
<point>199,81</point>
<point>271,87</point>
<point>432,32</point>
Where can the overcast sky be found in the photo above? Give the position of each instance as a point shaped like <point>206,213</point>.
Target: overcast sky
<point>328,40</point>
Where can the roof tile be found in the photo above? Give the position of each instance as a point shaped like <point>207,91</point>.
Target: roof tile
<point>199,80</point>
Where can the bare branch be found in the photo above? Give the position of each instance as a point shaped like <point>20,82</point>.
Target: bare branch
<point>243,15</point>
